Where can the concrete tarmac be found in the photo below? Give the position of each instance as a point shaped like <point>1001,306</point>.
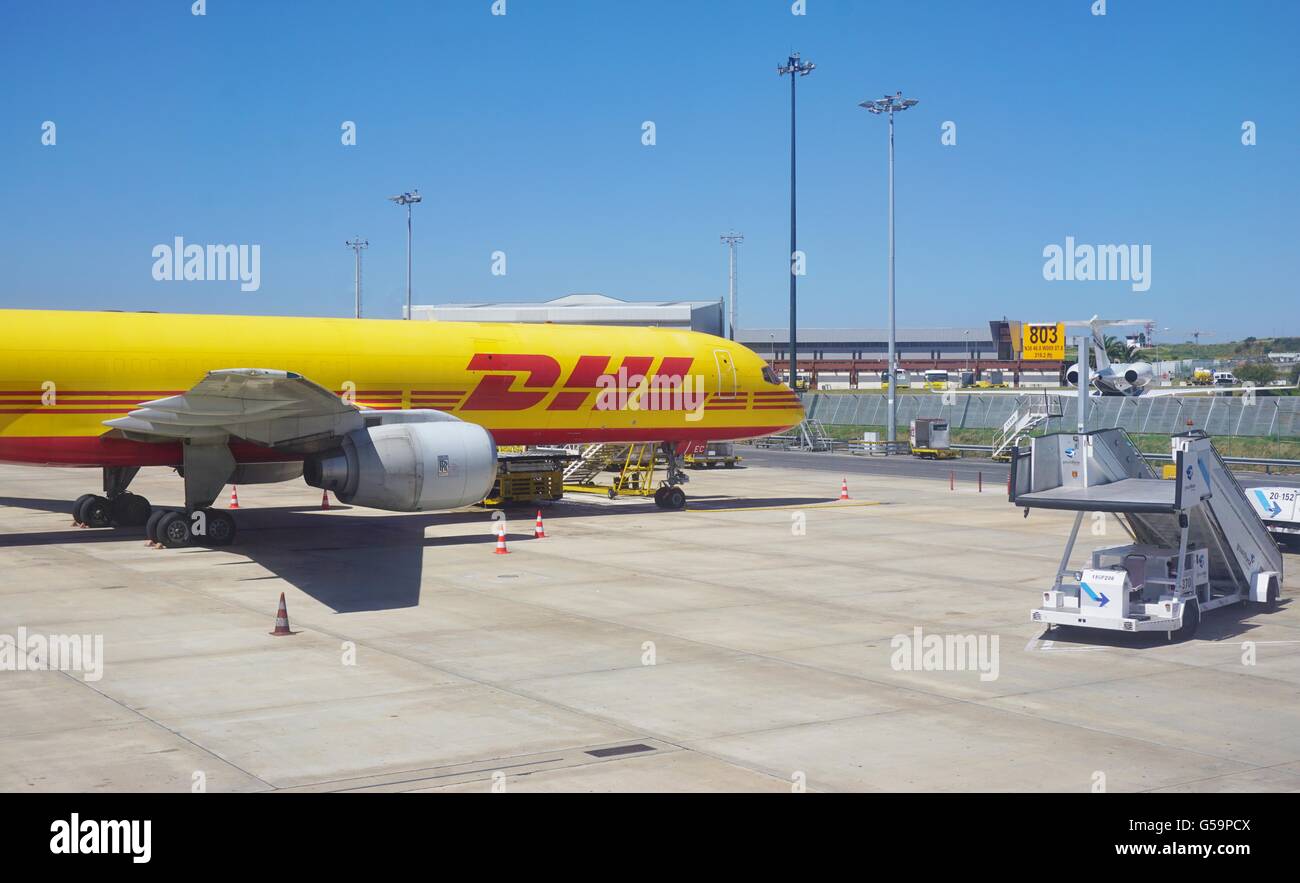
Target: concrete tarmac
<point>758,641</point>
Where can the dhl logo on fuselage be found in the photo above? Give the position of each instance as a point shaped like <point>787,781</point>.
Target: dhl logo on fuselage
<point>629,387</point>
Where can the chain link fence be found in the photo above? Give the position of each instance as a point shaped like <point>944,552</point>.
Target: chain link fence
<point>1261,416</point>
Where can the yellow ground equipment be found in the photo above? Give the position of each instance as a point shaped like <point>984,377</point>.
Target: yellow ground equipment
<point>526,476</point>
<point>633,466</point>
<point>707,455</point>
<point>929,438</point>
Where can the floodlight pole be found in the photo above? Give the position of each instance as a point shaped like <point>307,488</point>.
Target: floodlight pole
<point>795,67</point>
<point>1085,355</point>
<point>356,245</point>
<point>408,199</point>
<point>731,240</point>
<point>889,104</point>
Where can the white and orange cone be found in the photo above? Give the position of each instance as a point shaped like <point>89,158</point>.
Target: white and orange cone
<point>844,488</point>
<point>234,497</point>
<point>325,500</point>
<point>501,541</point>
<point>539,532</point>
<point>282,619</point>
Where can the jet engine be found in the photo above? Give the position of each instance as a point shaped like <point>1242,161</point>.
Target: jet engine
<point>1072,375</point>
<point>409,467</point>
<point>1137,374</point>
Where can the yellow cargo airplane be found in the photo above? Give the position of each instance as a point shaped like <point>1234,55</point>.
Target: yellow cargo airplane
<point>395,415</point>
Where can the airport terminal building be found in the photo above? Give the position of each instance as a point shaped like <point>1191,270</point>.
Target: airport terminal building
<point>829,357</point>
<point>586,309</point>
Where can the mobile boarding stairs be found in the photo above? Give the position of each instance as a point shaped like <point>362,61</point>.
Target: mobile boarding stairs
<point>1198,543</point>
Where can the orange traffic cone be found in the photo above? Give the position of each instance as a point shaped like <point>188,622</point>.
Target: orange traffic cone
<point>234,497</point>
<point>282,619</point>
<point>325,500</point>
<point>844,488</point>
<point>501,541</point>
<point>539,532</point>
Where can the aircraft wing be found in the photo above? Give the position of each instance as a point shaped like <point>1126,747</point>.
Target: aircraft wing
<point>1204,390</point>
<point>268,407</point>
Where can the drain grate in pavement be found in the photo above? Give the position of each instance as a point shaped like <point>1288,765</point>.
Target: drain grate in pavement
<point>620,749</point>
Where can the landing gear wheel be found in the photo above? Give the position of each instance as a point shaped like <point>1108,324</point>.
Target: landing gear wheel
<point>659,496</point>
<point>221,528</point>
<point>77,514</point>
<point>97,512</point>
<point>674,498</point>
<point>131,510</point>
<point>174,530</point>
<point>1191,621</point>
<point>151,525</point>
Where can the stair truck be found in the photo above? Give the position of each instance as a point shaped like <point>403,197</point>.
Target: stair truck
<point>1197,542</point>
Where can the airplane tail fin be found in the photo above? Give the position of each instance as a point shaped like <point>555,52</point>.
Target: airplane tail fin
<point>1099,344</point>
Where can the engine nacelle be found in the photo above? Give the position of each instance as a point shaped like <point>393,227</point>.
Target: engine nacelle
<point>1136,374</point>
<point>1072,375</point>
<point>409,467</point>
<point>265,473</point>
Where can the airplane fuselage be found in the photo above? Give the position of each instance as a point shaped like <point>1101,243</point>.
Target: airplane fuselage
<point>63,373</point>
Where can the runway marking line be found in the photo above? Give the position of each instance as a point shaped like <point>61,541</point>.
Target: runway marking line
<point>834,504</point>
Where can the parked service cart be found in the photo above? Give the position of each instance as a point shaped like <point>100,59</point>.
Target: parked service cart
<point>711,454</point>
<point>1279,509</point>
<point>929,437</point>
<point>1197,543</point>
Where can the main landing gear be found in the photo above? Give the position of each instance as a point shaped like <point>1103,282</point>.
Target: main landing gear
<point>174,528</point>
<point>116,507</point>
<point>670,496</point>
<point>195,525</point>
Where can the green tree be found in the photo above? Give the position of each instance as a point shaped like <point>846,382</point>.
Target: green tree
<point>1257,373</point>
<point>1116,349</point>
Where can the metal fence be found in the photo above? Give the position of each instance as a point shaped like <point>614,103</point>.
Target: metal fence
<point>1264,416</point>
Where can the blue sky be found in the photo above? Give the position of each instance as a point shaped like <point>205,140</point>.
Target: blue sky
<point>523,133</point>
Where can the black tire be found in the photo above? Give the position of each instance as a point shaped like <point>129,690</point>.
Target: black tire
<point>1191,622</point>
<point>131,510</point>
<point>97,512</point>
<point>675,499</point>
<point>659,497</point>
<point>151,525</point>
<point>77,505</point>
<point>174,530</point>
<point>221,528</point>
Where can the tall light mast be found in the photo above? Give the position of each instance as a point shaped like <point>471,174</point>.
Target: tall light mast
<point>356,244</point>
<point>731,240</point>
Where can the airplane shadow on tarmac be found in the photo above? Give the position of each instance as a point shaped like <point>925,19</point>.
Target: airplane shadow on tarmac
<point>352,563</point>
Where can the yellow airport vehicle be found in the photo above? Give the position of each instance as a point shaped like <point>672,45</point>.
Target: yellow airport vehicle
<point>708,455</point>
<point>634,468</point>
<point>929,439</point>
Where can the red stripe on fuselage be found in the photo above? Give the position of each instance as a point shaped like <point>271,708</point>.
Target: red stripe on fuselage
<point>113,451</point>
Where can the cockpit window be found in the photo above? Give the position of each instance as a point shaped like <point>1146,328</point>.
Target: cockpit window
<point>769,375</point>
